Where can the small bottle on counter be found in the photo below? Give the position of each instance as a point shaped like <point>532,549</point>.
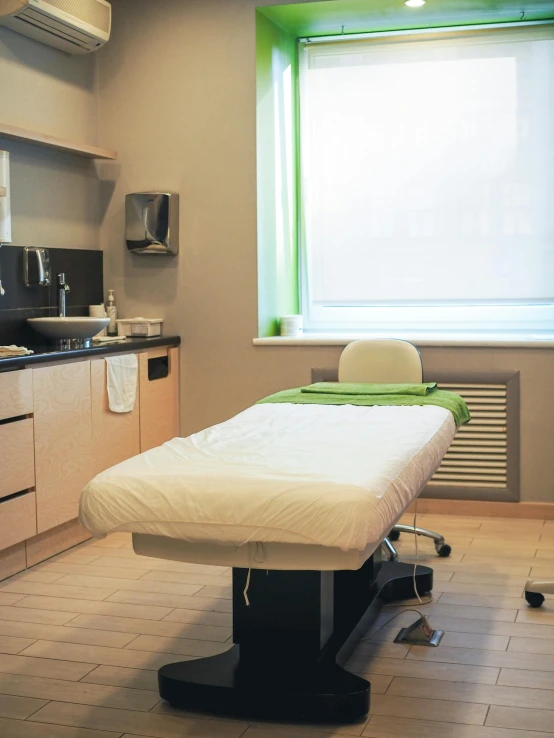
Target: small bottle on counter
<point>111,312</point>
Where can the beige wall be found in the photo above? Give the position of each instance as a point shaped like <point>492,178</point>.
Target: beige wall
<point>55,196</point>
<point>177,99</point>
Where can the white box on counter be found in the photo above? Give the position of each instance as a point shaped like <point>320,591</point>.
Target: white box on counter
<point>139,327</point>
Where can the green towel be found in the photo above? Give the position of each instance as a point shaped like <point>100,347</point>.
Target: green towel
<point>359,388</point>
<point>449,400</point>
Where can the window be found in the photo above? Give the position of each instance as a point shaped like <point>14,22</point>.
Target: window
<point>427,181</point>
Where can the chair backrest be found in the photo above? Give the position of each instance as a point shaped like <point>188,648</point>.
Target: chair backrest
<point>386,361</point>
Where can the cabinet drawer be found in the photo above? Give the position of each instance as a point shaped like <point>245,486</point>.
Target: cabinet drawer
<point>159,398</point>
<point>16,394</point>
<point>17,460</point>
<point>18,519</point>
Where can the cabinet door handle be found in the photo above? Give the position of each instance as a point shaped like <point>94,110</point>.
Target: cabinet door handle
<point>158,368</point>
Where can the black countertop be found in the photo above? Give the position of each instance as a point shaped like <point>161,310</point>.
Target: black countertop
<point>43,354</point>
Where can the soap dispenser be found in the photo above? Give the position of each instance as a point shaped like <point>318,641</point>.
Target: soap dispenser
<point>111,312</point>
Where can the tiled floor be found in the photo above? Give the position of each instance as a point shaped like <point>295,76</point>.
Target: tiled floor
<point>81,637</point>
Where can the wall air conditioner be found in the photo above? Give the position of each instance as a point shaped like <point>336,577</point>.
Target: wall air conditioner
<point>74,26</point>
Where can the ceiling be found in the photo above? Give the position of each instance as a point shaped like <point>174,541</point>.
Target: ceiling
<point>358,16</point>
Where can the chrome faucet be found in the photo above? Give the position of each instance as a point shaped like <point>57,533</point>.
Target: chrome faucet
<point>63,289</point>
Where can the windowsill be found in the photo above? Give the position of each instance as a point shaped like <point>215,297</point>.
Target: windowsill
<point>492,340</point>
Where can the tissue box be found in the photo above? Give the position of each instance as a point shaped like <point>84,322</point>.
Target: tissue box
<point>139,327</point>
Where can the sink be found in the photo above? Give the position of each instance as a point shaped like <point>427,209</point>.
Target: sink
<point>64,329</point>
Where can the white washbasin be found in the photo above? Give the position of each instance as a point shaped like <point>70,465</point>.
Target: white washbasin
<point>66,328</point>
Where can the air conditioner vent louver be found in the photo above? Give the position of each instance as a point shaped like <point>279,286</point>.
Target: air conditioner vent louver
<point>483,460</point>
<point>73,26</point>
<point>46,24</point>
<point>95,14</point>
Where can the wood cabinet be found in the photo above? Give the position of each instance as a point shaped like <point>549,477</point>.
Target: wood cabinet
<point>159,399</point>
<point>12,560</point>
<point>52,541</point>
<point>57,432</point>
<point>63,434</point>
<point>17,519</point>
<point>115,436</point>
<point>16,394</point>
<point>17,463</point>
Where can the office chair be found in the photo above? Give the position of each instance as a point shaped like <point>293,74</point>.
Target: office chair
<point>388,361</point>
<point>535,589</point>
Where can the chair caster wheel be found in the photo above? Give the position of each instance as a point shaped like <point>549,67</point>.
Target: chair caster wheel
<point>443,550</point>
<point>534,599</point>
<point>394,535</point>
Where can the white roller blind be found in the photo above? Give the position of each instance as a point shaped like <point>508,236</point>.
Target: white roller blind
<point>428,179</point>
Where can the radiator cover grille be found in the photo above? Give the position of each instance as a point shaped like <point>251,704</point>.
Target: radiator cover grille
<point>483,460</point>
<point>478,455</point>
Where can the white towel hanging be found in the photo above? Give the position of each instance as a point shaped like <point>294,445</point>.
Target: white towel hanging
<point>121,382</point>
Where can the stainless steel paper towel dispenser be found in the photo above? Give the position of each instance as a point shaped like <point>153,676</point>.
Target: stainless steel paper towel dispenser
<point>152,222</point>
<point>36,267</point>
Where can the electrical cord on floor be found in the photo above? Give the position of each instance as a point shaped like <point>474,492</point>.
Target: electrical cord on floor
<point>416,554</point>
<point>396,614</point>
<point>425,622</point>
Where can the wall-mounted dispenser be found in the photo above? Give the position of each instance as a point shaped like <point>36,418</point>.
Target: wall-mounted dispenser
<point>36,267</point>
<point>5,212</point>
<point>152,222</point>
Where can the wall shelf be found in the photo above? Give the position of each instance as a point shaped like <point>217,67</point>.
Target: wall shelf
<point>53,142</point>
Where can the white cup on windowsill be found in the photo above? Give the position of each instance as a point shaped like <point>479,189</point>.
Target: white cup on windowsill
<point>291,326</point>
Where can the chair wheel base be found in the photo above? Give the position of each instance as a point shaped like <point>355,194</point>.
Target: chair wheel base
<point>443,550</point>
<point>534,599</point>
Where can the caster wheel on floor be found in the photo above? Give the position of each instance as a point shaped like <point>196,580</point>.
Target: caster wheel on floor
<point>394,535</point>
<point>535,599</point>
<point>444,550</point>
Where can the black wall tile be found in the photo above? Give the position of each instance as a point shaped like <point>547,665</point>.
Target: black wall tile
<point>17,295</point>
<point>83,272</point>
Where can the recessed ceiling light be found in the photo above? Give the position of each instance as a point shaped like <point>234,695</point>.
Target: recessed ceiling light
<point>415,3</point>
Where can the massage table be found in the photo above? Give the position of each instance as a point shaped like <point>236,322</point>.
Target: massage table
<point>297,499</point>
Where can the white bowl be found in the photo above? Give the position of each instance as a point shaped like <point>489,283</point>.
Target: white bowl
<point>68,328</point>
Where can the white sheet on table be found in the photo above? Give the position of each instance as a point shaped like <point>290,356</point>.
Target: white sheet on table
<point>334,476</point>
